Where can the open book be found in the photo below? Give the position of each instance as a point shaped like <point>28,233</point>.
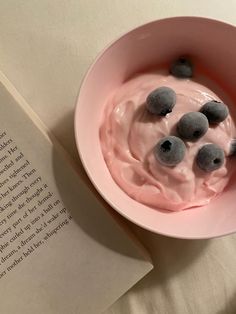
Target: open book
<point>61,252</point>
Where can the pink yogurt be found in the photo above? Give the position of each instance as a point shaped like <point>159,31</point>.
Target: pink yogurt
<point>129,133</point>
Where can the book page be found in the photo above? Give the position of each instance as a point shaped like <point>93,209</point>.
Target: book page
<point>60,251</point>
<point>30,212</point>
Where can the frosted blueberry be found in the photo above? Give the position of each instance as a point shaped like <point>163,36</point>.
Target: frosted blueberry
<point>232,148</point>
<point>182,68</point>
<point>170,151</point>
<point>210,157</point>
<point>161,101</point>
<point>192,126</point>
<point>215,111</point>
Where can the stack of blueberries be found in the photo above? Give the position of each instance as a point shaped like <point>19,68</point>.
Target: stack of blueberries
<point>170,150</point>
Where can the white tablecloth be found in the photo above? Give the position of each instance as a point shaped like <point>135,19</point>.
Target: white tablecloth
<point>46,47</point>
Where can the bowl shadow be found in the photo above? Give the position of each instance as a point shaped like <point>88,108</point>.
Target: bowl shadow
<point>91,214</point>
<point>230,306</point>
<point>170,256</point>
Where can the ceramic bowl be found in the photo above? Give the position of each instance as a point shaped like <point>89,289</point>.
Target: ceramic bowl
<point>212,43</point>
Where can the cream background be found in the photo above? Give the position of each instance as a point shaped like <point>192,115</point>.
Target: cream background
<point>46,47</point>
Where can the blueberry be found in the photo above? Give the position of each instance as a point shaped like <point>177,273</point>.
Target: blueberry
<point>233,148</point>
<point>192,126</point>
<point>161,101</point>
<point>170,151</point>
<point>210,157</point>
<point>182,68</point>
<point>215,111</point>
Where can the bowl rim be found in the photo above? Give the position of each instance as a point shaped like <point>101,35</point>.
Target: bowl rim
<point>77,108</point>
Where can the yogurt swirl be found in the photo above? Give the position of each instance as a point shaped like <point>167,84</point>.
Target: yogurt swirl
<point>129,133</point>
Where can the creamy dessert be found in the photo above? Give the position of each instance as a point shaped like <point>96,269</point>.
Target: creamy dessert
<point>173,156</point>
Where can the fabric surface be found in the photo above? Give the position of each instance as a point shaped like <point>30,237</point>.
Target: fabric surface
<point>189,277</point>
<point>46,47</point>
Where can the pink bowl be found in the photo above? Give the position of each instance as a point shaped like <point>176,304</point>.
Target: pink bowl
<point>214,44</point>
